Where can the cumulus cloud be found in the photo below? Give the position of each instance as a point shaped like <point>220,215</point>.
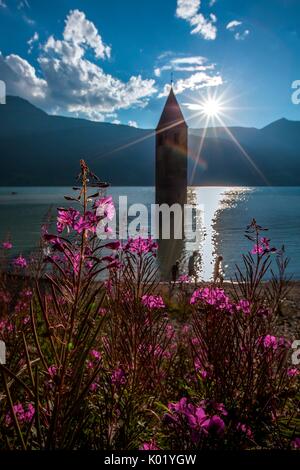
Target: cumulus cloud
<point>21,78</point>
<point>68,81</point>
<point>189,10</point>
<point>195,82</point>
<point>186,9</point>
<point>80,31</point>
<point>132,124</point>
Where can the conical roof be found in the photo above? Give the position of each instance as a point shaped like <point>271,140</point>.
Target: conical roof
<point>171,113</point>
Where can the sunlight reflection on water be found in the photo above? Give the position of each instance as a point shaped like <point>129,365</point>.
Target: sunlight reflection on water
<point>223,216</point>
<point>212,202</point>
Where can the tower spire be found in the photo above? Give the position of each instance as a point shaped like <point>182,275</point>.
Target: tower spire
<point>172,114</point>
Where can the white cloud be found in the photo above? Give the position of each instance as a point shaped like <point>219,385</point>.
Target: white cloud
<point>233,24</point>
<point>199,60</point>
<point>68,81</point>
<point>189,10</point>
<point>21,78</point>
<point>236,27</point>
<point>241,36</point>
<point>204,27</point>
<point>116,121</point>
<point>31,41</point>
<point>212,2</point>
<point>80,31</point>
<point>132,124</point>
<point>2,4</point>
<point>186,9</point>
<point>28,20</point>
<point>194,82</point>
<point>185,64</point>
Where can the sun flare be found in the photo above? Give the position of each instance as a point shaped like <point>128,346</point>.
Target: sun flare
<point>211,107</point>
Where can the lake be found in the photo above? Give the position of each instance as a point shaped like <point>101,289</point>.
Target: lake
<point>224,214</point>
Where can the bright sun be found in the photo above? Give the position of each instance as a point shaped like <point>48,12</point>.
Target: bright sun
<point>211,108</point>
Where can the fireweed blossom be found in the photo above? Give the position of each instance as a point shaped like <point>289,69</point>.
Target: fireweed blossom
<point>7,245</point>
<point>184,278</point>
<point>118,377</point>
<point>141,246</point>
<point>293,372</point>
<point>273,342</point>
<point>52,371</point>
<point>20,262</point>
<point>195,418</point>
<point>262,247</point>
<point>153,301</point>
<point>66,219</point>
<point>151,445</point>
<point>24,414</point>
<point>245,429</point>
<point>212,296</point>
<point>244,306</point>
<point>105,207</point>
<point>296,443</point>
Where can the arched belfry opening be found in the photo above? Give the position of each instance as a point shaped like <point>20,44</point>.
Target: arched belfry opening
<point>171,154</point>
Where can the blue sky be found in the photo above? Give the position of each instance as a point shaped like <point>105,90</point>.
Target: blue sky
<point>112,60</point>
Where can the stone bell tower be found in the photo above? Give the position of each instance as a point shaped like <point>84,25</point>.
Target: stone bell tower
<point>171,154</point>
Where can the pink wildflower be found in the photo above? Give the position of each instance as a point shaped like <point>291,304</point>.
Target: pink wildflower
<point>141,246</point>
<point>153,301</point>
<point>244,428</point>
<point>105,208</point>
<point>66,219</point>
<point>7,245</point>
<point>293,372</point>
<point>296,443</point>
<point>263,246</point>
<point>184,278</point>
<point>118,377</point>
<point>151,445</point>
<point>212,296</point>
<point>95,354</point>
<point>244,306</point>
<point>93,387</point>
<point>24,415</point>
<point>52,371</point>
<point>20,262</point>
<point>214,425</point>
<point>270,342</point>
<point>87,223</point>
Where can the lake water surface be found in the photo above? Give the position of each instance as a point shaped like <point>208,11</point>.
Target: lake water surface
<point>224,214</point>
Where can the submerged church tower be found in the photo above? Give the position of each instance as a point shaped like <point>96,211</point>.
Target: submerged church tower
<point>171,154</point>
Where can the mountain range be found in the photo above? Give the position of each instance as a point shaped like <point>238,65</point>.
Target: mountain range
<point>37,149</point>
